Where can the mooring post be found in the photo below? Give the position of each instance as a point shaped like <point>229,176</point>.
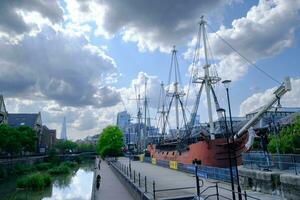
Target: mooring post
<point>133,176</point>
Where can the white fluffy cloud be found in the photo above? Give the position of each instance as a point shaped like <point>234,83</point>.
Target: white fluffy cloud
<point>259,99</point>
<point>13,22</point>
<point>264,31</point>
<point>151,24</point>
<point>59,67</point>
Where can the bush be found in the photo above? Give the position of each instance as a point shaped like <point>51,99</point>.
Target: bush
<point>23,168</point>
<point>3,172</point>
<point>62,169</point>
<point>70,164</point>
<point>43,166</point>
<point>35,181</point>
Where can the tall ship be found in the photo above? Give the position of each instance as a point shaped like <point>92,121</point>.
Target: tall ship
<point>211,143</point>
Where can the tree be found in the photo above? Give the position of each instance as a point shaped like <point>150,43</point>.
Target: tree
<point>28,138</point>
<point>110,142</point>
<point>65,146</point>
<point>16,140</point>
<point>289,139</point>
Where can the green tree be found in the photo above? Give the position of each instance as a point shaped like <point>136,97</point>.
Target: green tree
<point>65,146</point>
<point>110,142</point>
<point>16,140</point>
<point>288,141</point>
<point>86,147</point>
<point>28,138</point>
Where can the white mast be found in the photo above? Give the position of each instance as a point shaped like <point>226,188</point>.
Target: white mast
<point>208,80</point>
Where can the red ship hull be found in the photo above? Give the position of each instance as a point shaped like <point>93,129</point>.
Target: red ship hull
<point>211,153</point>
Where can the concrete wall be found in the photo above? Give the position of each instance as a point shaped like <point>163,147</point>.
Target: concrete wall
<point>276,183</point>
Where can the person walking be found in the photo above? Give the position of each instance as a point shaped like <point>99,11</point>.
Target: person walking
<point>98,180</point>
<point>99,162</point>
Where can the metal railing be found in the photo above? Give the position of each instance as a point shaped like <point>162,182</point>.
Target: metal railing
<point>220,191</point>
<point>263,161</point>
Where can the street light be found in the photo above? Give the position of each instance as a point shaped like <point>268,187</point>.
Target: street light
<point>226,84</point>
<point>221,110</point>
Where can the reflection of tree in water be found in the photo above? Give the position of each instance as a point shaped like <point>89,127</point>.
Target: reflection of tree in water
<point>8,189</point>
<point>64,181</point>
<point>87,166</point>
<point>30,195</point>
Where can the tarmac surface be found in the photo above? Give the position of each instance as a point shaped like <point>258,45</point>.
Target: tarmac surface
<point>110,186</point>
<point>166,178</point>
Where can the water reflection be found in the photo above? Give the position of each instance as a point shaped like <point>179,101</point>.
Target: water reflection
<point>78,187</point>
<point>75,186</point>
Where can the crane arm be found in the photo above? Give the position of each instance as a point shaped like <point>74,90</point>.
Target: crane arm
<point>281,90</point>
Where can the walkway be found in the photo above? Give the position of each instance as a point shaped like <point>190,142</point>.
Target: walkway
<point>167,178</point>
<point>110,187</point>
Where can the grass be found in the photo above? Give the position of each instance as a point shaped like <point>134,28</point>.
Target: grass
<point>35,181</point>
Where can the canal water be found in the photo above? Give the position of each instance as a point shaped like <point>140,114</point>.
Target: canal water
<point>75,186</point>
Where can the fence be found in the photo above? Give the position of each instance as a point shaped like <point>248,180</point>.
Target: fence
<point>260,160</point>
<point>139,184</point>
<point>146,188</point>
<point>222,174</point>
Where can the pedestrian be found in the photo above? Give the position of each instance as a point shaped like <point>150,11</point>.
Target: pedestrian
<point>98,180</point>
<point>99,162</point>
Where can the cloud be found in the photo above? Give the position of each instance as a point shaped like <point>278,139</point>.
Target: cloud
<point>12,21</point>
<point>58,66</point>
<point>151,24</point>
<point>266,30</point>
<point>259,99</point>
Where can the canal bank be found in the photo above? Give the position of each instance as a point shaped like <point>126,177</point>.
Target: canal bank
<point>75,185</point>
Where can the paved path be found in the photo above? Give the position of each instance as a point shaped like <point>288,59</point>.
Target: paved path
<point>167,178</point>
<point>110,187</point>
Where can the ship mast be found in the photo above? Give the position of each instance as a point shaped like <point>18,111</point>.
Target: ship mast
<point>207,80</point>
<point>176,95</point>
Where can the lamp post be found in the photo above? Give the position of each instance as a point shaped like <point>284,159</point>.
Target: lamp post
<point>221,110</point>
<point>226,84</point>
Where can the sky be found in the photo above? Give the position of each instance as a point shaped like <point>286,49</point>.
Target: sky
<point>84,59</point>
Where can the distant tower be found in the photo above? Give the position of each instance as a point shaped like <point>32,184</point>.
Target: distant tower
<point>63,134</point>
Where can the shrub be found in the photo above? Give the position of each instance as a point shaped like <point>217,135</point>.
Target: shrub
<point>70,164</point>
<point>36,181</point>
<point>43,166</point>
<point>23,168</point>
<point>61,169</point>
<point>3,172</point>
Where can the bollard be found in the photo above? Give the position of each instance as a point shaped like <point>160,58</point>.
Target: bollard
<point>133,176</point>
<point>154,197</point>
<point>139,179</point>
<point>126,170</point>
<point>145,183</point>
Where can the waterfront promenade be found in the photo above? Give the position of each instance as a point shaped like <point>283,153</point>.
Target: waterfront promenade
<point>110,185</point>
<point>166,178</point>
